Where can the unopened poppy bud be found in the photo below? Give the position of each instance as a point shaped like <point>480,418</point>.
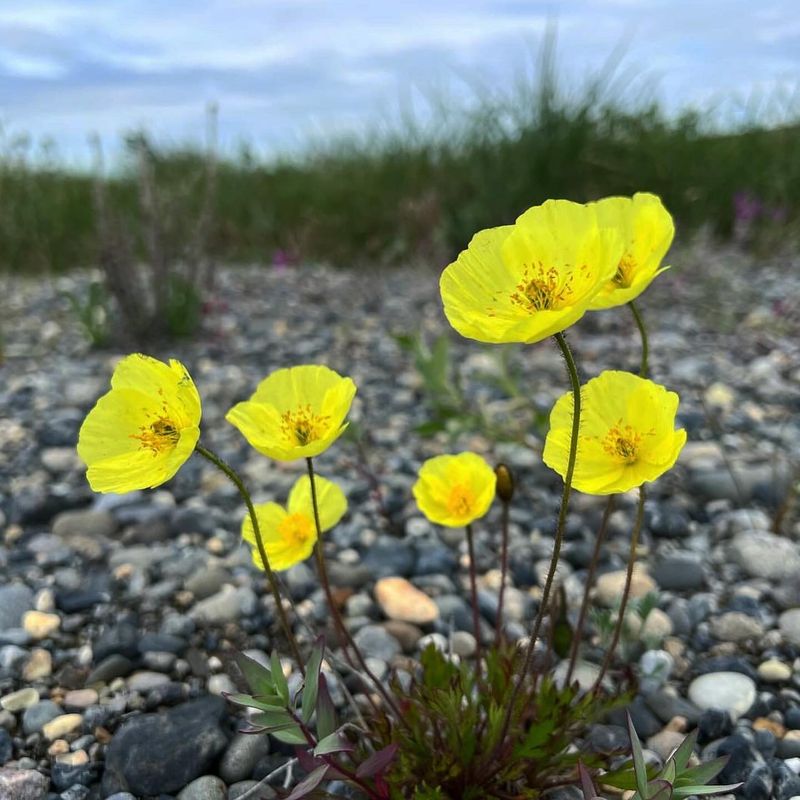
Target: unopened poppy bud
<point>505,483</point>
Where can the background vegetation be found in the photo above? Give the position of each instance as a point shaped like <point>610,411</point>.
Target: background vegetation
<point>420,190</point>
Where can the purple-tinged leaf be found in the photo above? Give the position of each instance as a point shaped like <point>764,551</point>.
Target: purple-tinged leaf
<point>327,721</point>
<point>586,782</point>
<point>312,680</point>
<point>309,783</point>
<point>377,762</point>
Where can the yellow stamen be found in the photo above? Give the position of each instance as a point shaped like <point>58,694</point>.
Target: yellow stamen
<point>460,501</point>
<point>542,290</point>
<point>303,426</point>
<point>296,529</point>
<point>159,436</point>
<point>624,274</point>
<point>623,442</point>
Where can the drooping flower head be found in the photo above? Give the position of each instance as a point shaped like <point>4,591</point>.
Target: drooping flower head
<point>530,280</point>
<point>647,231</point>
<point>297,412</point>
<point>455,490</point>
<point>139,434</point>
<point>289,534</point>
<point>627,433</point>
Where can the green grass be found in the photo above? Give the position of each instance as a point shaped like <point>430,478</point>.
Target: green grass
<point>418,191</point>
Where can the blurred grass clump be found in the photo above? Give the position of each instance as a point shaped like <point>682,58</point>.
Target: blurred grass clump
<point>417,190</point>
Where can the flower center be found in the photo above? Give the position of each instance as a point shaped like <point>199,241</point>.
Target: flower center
<point>303,426</point>
<point>460,501</point>
<point>542,290</point>
<point>624,274</point>
<point>296,529</point>
<point>622,442</point>
<point>160,436</point>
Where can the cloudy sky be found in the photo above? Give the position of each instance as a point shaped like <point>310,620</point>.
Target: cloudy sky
<point>285,71</point>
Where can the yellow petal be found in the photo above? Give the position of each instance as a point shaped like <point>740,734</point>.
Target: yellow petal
<point>331,500</point>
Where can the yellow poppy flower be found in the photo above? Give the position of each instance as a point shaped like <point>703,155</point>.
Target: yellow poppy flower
<point>139,434</point>
<point>289,534</point>
<point>647,230</point>
<point>455,490</point>
<point>627,434</point>
<point>296,412</point>
<point>530,280</point>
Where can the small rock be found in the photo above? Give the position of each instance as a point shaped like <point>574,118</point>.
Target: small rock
<point>40,624</point>
<point>375,641</point>
<point>679,572</point>
<point>38,666</point>
<point>114,666</point>
<point>144,681</point>
<point>241,757</point>
<point>19,700</point>
<point>61,726</point>
<point>729,691</point>
<point>224,606</point>
<point>774,671</point>
<point>665,741</point>
<point>208,787</point>
<point>90,523</point>
<point>23,784</point>
<point>400,600</point>
<point>735,626</point>
<point>789,624</point>
<point>80,699</point>
<point>15,600</point>
<point>610,586</point>
<point>765,555</point>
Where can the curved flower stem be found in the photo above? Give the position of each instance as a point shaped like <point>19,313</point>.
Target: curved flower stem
<point>598,544</point>
<point>337,617</point>
<point>273,583</point>
<point>637,528</point>
<point>498,625</point>
<point>643,369</point>
<point>473,588</point>
<point>544,602</point>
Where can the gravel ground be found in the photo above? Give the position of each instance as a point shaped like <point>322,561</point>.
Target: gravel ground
<point>119,615</point>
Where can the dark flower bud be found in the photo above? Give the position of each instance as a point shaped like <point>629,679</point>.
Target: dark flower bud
<point>505,483</point>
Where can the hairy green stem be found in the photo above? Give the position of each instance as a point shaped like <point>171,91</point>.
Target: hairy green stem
<point>637,528</point>
<point>598,544</point>
<point>498,625</point>
<point>334,609</point>
<point>473,588</point>
<point>233,476</point>
<point>644,366</point>
<point>572,371</point>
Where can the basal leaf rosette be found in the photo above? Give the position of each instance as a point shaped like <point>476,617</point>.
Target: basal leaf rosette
<point>297,412</point>
<point>455,490</point>
<point>289,534</point>
<point>139,433</point>
<point>627,433</point>
<point>647,231</point>
<point>530,280</point>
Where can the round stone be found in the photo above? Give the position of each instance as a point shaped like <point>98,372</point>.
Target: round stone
<point>208,787</point>
<point>38,666</point>
<point>399,600</point>
<point>774,671</point>
<point>610,586</point>
<point>789,624</point>
<point>40,624</point>
<point>728,691</point>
